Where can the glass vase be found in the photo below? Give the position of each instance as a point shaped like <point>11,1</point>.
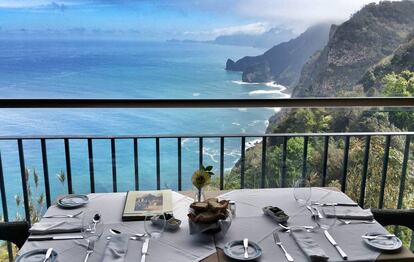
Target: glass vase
<point>199,195</point>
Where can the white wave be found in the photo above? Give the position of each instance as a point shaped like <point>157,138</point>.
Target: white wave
<point>196,94</point>
<point>255,122</point>
<point>236,124</point>
<point>252,143</point>
<point>242,109</point>
<point>245,83</point>
<point>263,92</point>
<point>274,85</point>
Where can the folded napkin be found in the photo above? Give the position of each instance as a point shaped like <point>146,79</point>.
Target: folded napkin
<point>308,246</point>
<point>43,228</point>
<point>346,212</point>
<point>116,248</point>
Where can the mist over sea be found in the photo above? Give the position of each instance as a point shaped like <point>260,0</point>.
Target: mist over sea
<point>122,69</point>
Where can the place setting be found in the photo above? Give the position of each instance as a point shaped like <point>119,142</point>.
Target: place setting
<point>314,227</point>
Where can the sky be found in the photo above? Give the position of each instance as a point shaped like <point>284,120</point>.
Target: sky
<point>166,19</point>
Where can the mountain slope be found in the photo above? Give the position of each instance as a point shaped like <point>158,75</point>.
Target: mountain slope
<point>283,62</point>
<point>369,36</point>
<point>402,59</point>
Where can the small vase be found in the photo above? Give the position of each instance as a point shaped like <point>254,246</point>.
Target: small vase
<point>199,195</point>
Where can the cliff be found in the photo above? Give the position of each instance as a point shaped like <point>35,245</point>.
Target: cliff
<point>283,62</point>
<point>354,47</point>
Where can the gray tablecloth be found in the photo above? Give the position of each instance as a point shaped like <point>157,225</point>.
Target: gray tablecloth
<point>172,246</point>
<point>249,222</point>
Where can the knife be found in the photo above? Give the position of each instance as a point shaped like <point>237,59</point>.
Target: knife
<point>337,204</point>
<point>42,238</point>
<point>333,242</point>
<point>144,250</point>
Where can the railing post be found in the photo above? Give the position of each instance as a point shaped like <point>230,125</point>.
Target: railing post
<point>68,165</point>
<point>221,163</point>
<point>404,172</point>
<point>200,150</point>
<point>24,180</point>
<point>179,164</point>
<point>91,166</point>
<point>114,175</point>
<point>325,161</point>
<point>364,171</point>
<point>305,156</point>
<point>345,164</point>
<point>136,163</point>
<point>242,160</point>
<point>264,147</point>
<point>45,171</point>
<point>158,170</point>
<point>384,171</point>
<point>283,164</point>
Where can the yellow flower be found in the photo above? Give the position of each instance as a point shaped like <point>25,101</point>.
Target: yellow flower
<point>200,179</point>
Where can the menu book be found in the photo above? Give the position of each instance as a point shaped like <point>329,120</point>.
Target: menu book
<point>139,204</point>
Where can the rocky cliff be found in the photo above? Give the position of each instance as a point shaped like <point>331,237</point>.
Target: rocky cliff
<point>355,46</point>
<point>283,62</point>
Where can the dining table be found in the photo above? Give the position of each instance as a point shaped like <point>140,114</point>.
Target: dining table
<point>248,222</point>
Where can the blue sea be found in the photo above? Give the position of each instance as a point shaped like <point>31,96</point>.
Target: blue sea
<point>122,69</point>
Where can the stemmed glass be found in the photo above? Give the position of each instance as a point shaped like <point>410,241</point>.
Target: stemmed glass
<point>92,229</point>
<point>154,230</point>
<point>322,219</point>
<point>302,191</point>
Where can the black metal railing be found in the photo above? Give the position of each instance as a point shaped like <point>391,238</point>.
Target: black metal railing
<point>264,138</point>
<point>207,103</point>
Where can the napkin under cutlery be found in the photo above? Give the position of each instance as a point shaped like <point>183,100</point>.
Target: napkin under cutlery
<point>308,246</point>
<point>43,228</point>
<point>347,212</point>
<point>116,249</point>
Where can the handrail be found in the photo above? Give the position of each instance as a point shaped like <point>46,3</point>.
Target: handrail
<point>343,102</point>
<point>74,137</point>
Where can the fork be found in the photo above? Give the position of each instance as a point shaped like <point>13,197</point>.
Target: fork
<point>64,216</point>
<point>347,222</point>
<point>279,243</point>
<point>89,251</point>
<point>308,228</point>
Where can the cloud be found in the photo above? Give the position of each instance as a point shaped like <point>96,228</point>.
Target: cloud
<point>253,29</point>
<point>38,4</point>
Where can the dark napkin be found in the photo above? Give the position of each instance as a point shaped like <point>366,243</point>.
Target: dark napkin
<point>116,248</point>
<point>347,212</point>
<point>308,246</point>
<point>44,228</point>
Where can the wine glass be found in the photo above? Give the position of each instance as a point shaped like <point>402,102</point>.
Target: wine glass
<point>154,229</point>
<point>92,229</point>
<point>92,224</point>
<point>325,217</point>
<point>302,191</point>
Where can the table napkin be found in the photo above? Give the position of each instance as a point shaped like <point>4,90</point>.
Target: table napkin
<point>308,246</point>
<point>345,212</point>
<point>116,248</point>
<point>43,228</point>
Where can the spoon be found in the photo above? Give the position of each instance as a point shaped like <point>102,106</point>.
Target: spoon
<point>95,220</point>
<point>133,237</point>
<point>48,254</point>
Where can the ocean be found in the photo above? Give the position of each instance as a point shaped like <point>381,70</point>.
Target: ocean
<point>122,69</point>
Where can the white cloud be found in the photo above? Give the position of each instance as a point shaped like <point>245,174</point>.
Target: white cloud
<point>17,4</point>
<point>251,29</point>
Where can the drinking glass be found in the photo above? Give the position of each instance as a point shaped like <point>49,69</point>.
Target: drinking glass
<point>322,219</point>
<point>302,191</point>
<point>92,224</point>
<point>154,230</point>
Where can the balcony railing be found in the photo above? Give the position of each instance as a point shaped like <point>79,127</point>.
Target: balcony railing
<point>207,103</point>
